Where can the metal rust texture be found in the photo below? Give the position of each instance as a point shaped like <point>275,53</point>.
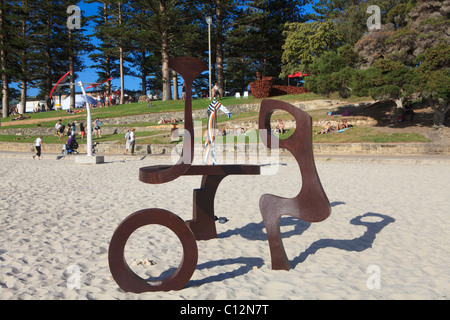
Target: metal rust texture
<point>201,227</point>
<point>126,278</point>
<point>189,69</point>
<point>311,204</point>
<point>203,224</point>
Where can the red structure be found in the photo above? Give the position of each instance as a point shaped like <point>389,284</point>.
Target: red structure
<point>264,87</point>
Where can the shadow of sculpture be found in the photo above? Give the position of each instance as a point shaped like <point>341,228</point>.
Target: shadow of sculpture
<point>255,231</point>
<point>359,244</point>
<point>246,263</point>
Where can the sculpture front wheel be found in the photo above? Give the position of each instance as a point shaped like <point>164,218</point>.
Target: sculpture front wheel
<point>131,282</point>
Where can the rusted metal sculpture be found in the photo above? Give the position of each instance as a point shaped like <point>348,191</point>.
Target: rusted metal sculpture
<point>311,204</point>
<point>126,278</point>
<point>189,68</point>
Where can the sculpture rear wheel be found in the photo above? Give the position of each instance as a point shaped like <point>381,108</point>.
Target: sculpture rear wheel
<point>130,281</point>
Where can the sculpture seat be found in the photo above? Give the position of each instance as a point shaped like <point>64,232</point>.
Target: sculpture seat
<point>203,224</point>
<point>147,174</point>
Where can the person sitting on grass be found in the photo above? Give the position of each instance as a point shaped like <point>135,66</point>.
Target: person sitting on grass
<point>167,121</point>
<point>280,127</point>
<point>21,117</point>
<point>163,121</point>
<point>326,129</point>
<point>343,125</point>
<point>175,121</point>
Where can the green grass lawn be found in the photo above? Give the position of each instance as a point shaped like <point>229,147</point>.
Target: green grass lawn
<point>157,107</point>
<point>130,109</point>
<point>161,136</point>
<point>356,134</point>
<point>352,135</point>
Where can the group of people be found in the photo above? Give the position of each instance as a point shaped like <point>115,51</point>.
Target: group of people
<point>150,98</point>
<point>107,100</point>
<point>72,132</point>
<point>71,129</point>
<point>237,131</point>
<point>13,110</point>
<point>329,128</point>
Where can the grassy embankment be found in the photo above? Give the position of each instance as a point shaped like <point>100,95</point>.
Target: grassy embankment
<point>157,134</point>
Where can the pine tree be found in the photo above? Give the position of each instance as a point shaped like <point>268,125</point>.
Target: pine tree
<point>434,80</point>
<point>240,59</point>
<point>254,42</point>
<point>118,31</point>
<point>144,53</point>
<point>24,20</point>
<point>116,44</point>
<point>268,19</point>
<point>5,55</point>
<point>106,57</point>
<point>77,44</point>
<point>222,12</point>
<point>59,49</point>
<point>160,21</point>
<point>350,17</point>
<point>164,14</point>
<point>306,42</point>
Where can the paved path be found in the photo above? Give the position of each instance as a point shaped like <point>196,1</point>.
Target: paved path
<point>414,159</point>
<point>32,121</point>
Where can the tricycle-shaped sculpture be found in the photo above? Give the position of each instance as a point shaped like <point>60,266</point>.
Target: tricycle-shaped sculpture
<point>310,205</point>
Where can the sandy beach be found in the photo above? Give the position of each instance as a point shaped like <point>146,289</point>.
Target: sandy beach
<point>387,236</point>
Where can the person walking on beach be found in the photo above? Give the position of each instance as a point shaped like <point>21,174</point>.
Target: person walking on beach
<point>38,146</point>
<point>132,140</point>
<point>127,141</point>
